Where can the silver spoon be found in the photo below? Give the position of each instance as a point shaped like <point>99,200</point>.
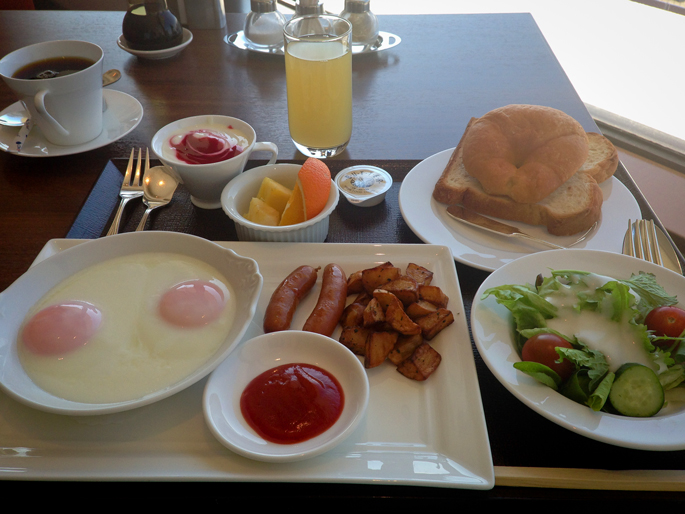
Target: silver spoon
<point>110,77</point>
<point>158,190</point>
<point>18,118</point>
<point>13,119</point>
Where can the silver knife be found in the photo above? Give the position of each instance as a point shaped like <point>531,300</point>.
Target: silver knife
<point>474,219</point>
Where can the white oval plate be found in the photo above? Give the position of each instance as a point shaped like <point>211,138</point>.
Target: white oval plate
<point>221,400</point>
<point>492,329</point>
<point>16,300</point>
<point>480,249</point>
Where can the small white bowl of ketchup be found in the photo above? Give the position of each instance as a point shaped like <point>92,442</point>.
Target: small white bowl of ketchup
<point>251,404</point>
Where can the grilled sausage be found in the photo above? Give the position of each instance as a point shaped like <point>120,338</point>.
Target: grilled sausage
<point>284,300</point>
<point>331,303</point>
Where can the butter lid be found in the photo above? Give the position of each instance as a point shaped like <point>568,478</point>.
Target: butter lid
<point>363,185</point>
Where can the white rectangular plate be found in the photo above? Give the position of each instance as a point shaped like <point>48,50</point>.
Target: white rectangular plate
<point>430,433</point>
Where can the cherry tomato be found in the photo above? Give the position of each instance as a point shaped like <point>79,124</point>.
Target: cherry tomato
<point>666,321</point>
<point>541,348</point>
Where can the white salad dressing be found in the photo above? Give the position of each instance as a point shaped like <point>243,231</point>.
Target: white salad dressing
<point>618,341</point>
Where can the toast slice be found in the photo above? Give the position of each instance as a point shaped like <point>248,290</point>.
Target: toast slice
<point>573,207</point>
<point>602,159</point>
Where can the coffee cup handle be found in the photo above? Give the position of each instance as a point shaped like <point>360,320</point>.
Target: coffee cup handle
<point>39,102</point>
<point>267,147</point>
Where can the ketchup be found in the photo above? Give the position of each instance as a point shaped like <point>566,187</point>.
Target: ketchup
<point>292,403</point>
<point>204,146</point>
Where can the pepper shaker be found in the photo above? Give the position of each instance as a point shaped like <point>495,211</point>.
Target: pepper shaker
<point>364,22</point>
<point>307,7</point>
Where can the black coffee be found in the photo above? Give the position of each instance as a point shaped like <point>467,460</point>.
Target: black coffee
<point>52,67</point>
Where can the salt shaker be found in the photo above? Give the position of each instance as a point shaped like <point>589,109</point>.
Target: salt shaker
<point>264,24</point>
<point>364,22</point>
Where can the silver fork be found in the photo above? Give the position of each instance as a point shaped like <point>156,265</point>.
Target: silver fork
<point>643,241</point>
<point>130,190</point>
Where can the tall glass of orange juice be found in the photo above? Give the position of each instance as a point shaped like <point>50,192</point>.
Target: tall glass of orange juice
<point>318,70</point>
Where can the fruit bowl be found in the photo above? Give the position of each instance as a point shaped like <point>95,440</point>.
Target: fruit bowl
<point>235,201</point>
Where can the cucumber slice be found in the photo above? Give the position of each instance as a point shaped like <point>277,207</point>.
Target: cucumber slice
<point>636,391</point>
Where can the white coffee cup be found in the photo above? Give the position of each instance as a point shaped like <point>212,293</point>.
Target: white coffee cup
<point>205,182</point>
<point>68,109</point>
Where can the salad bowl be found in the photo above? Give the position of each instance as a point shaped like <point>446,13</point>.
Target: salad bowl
<point>494,332</point>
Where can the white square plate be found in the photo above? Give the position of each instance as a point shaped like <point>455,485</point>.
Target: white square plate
<point>430,433</point>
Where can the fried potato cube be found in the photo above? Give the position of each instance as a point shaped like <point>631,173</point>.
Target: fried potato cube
<point>405,288</point>
<point>434,295</point>
<point>404,347</point>
<point>378,346</point>
<point>435,322</point>
<point>354,338</point>
<point>384,298</point>
<point>422,275</point>
<point>354,283</point>
<point>378,277</point>
<point>353,315</point>
<point>373,313</point>
<point>363,298</point>
<point>421,364</point>
<point>398,319</point>
<point>420,309</point>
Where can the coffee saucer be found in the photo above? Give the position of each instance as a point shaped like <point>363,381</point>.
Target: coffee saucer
<point>122,115</point>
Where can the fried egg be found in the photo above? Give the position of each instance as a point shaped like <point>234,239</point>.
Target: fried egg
<point>126,327</point>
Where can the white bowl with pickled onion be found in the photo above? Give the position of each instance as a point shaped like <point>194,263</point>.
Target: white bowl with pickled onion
<point>224,391</point>
<point>124,365</point>
<point>236,197</point>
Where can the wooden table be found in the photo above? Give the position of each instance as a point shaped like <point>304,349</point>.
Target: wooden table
<point>409,103</point>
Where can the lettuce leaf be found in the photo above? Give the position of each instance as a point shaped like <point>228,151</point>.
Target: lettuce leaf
<point>651,293</point>
<point>540,372</point>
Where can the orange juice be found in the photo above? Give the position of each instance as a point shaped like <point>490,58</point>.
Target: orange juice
<point>319,81</point>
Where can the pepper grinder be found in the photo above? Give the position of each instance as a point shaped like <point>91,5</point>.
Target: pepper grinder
<point>306,7</point>
<point>364,22</point>
<point>264,25</point>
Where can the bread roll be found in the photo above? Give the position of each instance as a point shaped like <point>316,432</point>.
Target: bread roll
<point>524,151</point>
<point>571,208</point>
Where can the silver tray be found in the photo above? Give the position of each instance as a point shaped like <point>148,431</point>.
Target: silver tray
<point>385,41</point>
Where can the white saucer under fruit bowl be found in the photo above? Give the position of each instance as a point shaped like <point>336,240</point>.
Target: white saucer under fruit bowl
<point>226,384</point>
<point>164,53</point>
<point>123,114</point>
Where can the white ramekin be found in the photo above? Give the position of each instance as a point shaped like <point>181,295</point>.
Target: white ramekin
<point>235,201</point>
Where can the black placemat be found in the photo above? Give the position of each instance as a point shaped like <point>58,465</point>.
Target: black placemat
<point>519,437</point>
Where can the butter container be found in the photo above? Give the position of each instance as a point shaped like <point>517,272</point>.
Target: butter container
<point>363,186</point>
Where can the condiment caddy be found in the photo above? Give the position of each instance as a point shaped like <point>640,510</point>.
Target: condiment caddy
<point>263,30</point>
